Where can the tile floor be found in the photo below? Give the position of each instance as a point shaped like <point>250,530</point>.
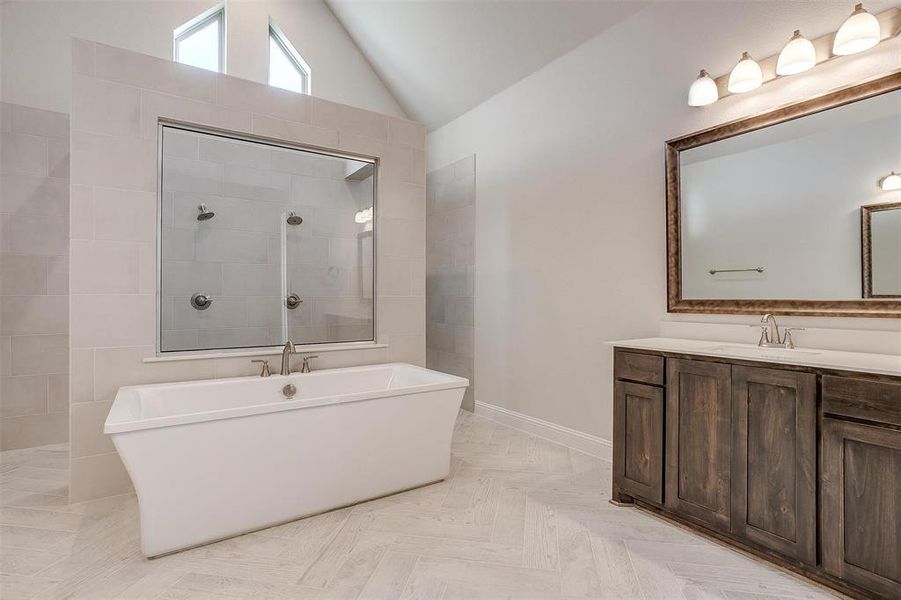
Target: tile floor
<point>519,518</point>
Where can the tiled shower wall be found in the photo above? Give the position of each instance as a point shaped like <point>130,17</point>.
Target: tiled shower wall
<point>236,256</point>
<point>34,277</point>
<point>118,97</point>
<point>450,271</point>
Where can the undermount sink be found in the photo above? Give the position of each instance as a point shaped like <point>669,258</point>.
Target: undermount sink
<point>759,352</point>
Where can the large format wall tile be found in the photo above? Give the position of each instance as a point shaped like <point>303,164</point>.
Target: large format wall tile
<point>114,64</point>
<point>34,248</point>
<point>105,320</point>
<point>107,161</point>
<point>114,167</point>
<point>39,354</point>
<point>450,260</point>
<point>105,107</point>
<point>31,315</point>
<point>24,153</point>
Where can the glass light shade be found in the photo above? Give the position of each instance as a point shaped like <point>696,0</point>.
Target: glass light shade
<point>797,56</point>
<point>703,90</point>
<point>890,182</point>
<point>746,75</point>
<point>859,32</point>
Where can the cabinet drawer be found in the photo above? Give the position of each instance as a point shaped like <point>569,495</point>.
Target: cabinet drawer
<point>645,368</point>
<point>862,399</point>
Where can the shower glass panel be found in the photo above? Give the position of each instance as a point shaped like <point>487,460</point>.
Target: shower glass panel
<point>262,243</point>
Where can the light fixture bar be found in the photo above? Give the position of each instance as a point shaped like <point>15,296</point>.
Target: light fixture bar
<point>890,27</point>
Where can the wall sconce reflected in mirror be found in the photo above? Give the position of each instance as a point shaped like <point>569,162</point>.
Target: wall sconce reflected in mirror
<point>364,217</point>
<point>890,182</point>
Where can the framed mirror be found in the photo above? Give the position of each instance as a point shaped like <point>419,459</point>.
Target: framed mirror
<point>880,248</point>
<point>262,242</point>
<point>764,214</point>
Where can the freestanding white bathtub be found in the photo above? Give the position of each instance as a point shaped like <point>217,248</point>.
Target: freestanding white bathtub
<point>213,459</point>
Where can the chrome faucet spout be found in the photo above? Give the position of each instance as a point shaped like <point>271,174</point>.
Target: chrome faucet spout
<point>287,351</point>
<point>773,336</point>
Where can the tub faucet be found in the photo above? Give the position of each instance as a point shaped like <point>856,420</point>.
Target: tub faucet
<point>305,367</point>
<point>264,369</point>
<point>287,351</point>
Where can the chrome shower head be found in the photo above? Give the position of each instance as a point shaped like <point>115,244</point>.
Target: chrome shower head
<point>294,219</point>
<point>205,213</point>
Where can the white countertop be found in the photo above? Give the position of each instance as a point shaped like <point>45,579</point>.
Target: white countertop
<point>882,364</point>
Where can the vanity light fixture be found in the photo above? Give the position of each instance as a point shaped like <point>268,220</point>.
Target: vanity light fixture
<point>890,182</point>
<point>798,56</point>
<point>703,90</point>
<point>745,76</point>
<point>859,32</point>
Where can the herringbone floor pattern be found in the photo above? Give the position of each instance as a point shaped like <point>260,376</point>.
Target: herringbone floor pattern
<point>519,518</point>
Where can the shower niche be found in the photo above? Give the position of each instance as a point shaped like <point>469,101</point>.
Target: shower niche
<point>262,242</point>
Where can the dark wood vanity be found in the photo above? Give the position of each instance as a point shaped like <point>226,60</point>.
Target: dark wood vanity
<point>800,466</point>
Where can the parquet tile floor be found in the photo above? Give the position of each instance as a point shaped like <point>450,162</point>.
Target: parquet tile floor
<point>519,518</point>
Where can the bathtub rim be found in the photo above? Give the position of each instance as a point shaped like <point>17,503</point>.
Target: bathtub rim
<point>130,394</point>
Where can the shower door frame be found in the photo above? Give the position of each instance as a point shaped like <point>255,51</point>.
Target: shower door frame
<point>162,124</point>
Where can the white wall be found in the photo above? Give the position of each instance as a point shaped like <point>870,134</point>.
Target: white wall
<point>36,40</point>
<point>570,220</point>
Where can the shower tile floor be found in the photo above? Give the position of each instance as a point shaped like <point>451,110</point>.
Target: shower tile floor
<point>519,518</point>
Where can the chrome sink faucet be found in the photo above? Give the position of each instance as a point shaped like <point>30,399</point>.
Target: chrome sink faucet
<point>770,337</point>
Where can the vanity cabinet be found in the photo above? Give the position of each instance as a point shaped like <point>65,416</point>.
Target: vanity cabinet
<point>861,483</point>
<point>638,463</point>
<point>699,441</point>
<point>797,465</point>
<point>774,435</point>
<point>638,406</point>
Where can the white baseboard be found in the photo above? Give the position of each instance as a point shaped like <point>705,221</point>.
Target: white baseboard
<point>577,440</point>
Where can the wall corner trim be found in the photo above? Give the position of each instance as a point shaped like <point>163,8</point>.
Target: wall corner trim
<point>576,440</point>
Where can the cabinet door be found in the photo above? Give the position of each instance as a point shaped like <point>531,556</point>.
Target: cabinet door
<point>774,433</point>
<point>699,440</point>
<point>638,431</point>
<point>861,505</point>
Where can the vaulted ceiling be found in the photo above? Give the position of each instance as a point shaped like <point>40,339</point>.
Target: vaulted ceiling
<point>442,58</point>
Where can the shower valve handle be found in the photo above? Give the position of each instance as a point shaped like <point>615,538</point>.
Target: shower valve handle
<point>201,301</point>
<point>293,301</point>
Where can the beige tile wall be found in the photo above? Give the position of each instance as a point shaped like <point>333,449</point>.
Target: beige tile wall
<point>450,271</point>
<point>34,279</point>
<point>118,96</point>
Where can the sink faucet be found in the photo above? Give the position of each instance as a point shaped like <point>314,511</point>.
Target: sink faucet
<point>287,351</point>
<point>770,337</point>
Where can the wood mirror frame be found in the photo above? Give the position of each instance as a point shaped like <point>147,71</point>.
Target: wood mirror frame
<point>864,307</point>
<point>866,246</point>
